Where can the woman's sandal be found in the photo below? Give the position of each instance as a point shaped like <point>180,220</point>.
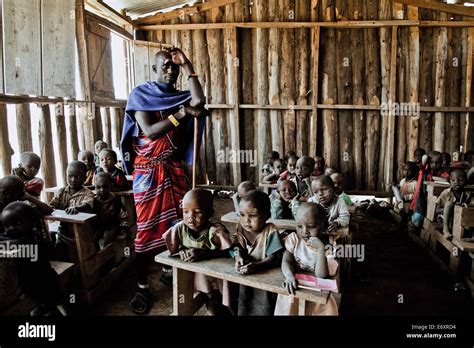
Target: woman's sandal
<point>140,303</point>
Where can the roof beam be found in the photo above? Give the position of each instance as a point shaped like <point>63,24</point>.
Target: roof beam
<point>161,17</point>
<point>440,6</point>
<point>100,7</point>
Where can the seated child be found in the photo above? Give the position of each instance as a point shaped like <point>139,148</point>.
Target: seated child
<point>456,194</point>
<point>108,160</point>
<point>73,198</point>
<point>196,238</point>
<point>408,185</point>
<point>112,218</point>
<point>87,157</point>
<point>268,166</point>
<point>242,189</point>
<point>280,202</point>
<point>446,160</point>
<point>305,252</point>
<point>436,161</point>
<point>27,170</point>
<point>330,171</point>
<point>302,180</point>
<point>278,167</point>
<point>290,173</point>
<point>339,182</point>
<point>36,276</point>
<point>319,166</point>
<point>257,247</point>
<point>335,207</point>
<point>98,147</point>
<point>418,155</point>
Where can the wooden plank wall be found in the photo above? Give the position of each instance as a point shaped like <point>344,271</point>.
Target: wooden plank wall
<point>58,35</point>
<point>353,67</point>
<point>22,38</point>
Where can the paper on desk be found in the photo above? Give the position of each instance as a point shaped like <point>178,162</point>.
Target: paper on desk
<point>314,283</point>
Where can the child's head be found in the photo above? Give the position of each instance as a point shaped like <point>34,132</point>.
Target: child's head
<point>274,155</point>
<point>108,159</point>
<point>468,157</point>
<point>76,174</point>
<point>290,154</point>
<point>311,220</point>
<point>418,154</point>
<point>435,159</point>
<point>99,145</point>
<point>17,219</point>
<point>458,179</point>
<point>244,187</point>
<point>278,166</point>
<point>103,184</point>
<point>197,209</point>
<point>287,190</point>
<point>30,162</point>
<point>319,163</point>
<point>292,164</point>
<point>323,187</point>
<point>410,170</point>
<point>446,159</point>
<point>304,167</point>
<point>338,180</point>
<point>86,157</point>
<point>330,171</point>
<point>254,209</point>
<point>12,189</point>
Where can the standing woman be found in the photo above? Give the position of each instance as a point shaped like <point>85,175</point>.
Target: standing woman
<point>157,137</point>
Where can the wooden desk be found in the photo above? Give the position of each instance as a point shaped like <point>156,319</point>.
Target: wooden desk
<point>183,277</point>
<point>279,223</point>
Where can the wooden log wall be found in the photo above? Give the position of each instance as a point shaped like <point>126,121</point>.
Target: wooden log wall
<point>320,90</point>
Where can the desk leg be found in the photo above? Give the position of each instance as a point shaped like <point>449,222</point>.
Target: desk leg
<point>301,306</point>
<point>183,285</point>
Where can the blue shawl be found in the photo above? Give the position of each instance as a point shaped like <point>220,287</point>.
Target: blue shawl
<point>152,96</point>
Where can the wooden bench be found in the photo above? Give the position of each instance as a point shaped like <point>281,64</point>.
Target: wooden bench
<point>463,219</point>
<point>22,304</point>
<point>90,260</point>
<point>270,280</point>
<point>434,189</point>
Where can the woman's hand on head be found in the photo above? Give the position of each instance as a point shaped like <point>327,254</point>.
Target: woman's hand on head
<point>178,57</point>
<point>193,111</point>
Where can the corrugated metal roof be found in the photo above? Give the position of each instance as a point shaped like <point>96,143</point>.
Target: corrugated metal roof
<point>142,8</point>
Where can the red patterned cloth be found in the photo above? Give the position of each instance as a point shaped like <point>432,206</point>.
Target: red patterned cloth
<point>159,184</point>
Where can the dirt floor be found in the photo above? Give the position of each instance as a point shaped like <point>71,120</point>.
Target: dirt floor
<point>396,278</point>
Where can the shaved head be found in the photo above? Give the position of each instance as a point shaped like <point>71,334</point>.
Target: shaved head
<point>203,198</point>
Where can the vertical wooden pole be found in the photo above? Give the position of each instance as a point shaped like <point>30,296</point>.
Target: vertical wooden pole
<point>358,64</point>
<point>217,93</point>
<point>373,68</point>
<point>200,62</point>
<point>343,66</point>
<point>247,118</point>
<point>5,147</point>
<point>97,124</point>
<point>107,131</point>
<point>287,77</point>
<point>468,129</point>
<point>263,129</point>
<point>23,127</point>
<point>116,133</point>
<point>46,148</point>
<point>274,65</point>
<point>389,156</point>
<point>302,68</point>
<point>439,130</point>
<point>314,71</point>
<point>328,87</point>
<point>233,63</point>
<point>413,80</point>
<point>62,139</point>
<point>73,132</point>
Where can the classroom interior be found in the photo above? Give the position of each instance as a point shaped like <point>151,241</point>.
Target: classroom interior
<point>362,84</point>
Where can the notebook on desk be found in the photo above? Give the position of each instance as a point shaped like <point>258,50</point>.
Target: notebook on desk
<point>314,283</point>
